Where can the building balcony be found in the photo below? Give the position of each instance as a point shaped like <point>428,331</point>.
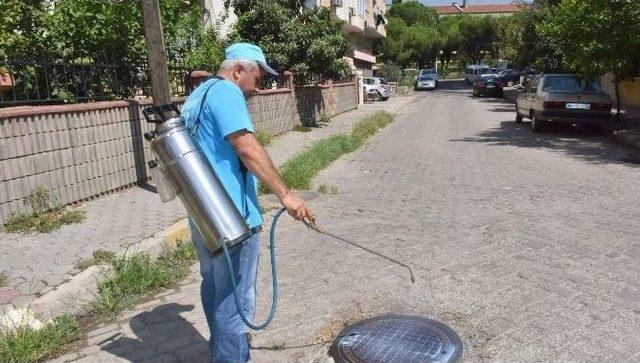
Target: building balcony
<point>354,24</point>
<point>371,31</point>
<point>361,54</point>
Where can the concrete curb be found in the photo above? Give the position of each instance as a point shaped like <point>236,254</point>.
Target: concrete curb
<point>76,295</point>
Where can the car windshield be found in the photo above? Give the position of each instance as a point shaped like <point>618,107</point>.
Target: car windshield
<point>428,71</point>
<point>488,79</point>
<point>426,78</point>
<point>369,81</point>
<point>570,83</point>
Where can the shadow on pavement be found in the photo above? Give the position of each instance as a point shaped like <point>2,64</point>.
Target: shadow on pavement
<point>583,143</point>
<point>161,335</point>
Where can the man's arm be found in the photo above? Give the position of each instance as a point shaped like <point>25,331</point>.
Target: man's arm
<point>256,159</point>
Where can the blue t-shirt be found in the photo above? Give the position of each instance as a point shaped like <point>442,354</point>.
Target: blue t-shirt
<point>224,112</point>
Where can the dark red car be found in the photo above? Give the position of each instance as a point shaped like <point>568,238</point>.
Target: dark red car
<point>487,85</point>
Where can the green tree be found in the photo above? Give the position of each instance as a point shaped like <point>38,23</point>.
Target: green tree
<point>449,30</point>
<point>477,37</point>
<point>21,29</point>
<point>597,37</point>
<point>412,36</point>
<point>414,13</point>
<point>310,43</point>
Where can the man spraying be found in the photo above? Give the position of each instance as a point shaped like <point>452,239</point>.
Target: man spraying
<point>217,113</point>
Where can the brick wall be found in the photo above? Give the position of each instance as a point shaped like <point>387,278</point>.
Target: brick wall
<point>84,150</point>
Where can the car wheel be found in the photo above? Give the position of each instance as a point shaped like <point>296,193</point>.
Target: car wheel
<point>385,98</point>
<point>510,83</point>
<point>536,125</point>
<point>518,116</point>
<point>378,96</point>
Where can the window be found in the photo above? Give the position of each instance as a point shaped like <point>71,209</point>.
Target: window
<point>570,83</point>
<point>362,6</point>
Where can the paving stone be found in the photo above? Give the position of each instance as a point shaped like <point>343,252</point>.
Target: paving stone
<point>7,295</point>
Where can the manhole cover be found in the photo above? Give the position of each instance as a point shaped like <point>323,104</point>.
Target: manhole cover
<point>396,339</point>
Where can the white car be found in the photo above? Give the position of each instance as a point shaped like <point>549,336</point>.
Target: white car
<point>430,72</point>
<point>376,88</point>
<point>426,82</point>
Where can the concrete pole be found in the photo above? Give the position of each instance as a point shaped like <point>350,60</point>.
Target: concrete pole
<point>157,55</point>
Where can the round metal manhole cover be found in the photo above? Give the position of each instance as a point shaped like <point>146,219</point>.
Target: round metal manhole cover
<point>396,339</point>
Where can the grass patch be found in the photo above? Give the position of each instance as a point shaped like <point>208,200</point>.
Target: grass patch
<point>99,257</point>
<point>301,128</point>
<point>328,189</point>
<point>4,279</point>
<point>47,215</point>
<point>138,276</point>
<point>325,118</point>
<point>263,138</point>
<point>28,345</point>
<point>298,171</point>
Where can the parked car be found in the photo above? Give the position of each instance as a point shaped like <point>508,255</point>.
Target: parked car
<point>430,72</point>
<point>474,71</point>
<point>376,88</point>
<point>427,82</point>
<point>563,98</point>
<point>487,85</point>
<point>509,77</point>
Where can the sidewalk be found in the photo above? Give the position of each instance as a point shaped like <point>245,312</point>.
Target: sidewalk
<point>626,132</point>
<point>41,267</point>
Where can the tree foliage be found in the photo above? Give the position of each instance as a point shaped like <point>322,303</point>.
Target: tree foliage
<point>102,30</point>
<point>596,36</point>
<point>412,35</point>
<point>21,28</point>
<point>478,36</point>
<point>310,43</point>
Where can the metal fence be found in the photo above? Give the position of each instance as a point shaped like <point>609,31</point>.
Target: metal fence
<point>50,82</point>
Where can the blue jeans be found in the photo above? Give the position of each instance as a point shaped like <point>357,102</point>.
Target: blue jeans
<point>228,342</point>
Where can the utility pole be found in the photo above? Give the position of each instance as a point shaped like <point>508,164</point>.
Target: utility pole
<point>157,55</point>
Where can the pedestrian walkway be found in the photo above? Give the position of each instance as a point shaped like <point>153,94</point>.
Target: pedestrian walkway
<point>38,263</point>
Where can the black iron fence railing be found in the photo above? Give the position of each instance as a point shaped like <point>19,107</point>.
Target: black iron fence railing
<point>52,82</point>
<point>41,82</point>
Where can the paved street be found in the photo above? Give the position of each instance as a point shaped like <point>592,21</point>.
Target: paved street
<point>526,244</point>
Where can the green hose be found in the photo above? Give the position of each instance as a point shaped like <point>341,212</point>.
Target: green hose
<point>274,276</point>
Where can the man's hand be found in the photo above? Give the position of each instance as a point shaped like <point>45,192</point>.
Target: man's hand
<point>296,207</point>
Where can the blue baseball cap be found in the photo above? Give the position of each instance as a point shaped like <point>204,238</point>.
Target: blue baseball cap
<point>249,52</point>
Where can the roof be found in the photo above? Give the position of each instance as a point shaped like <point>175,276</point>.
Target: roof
<point>479,9</point>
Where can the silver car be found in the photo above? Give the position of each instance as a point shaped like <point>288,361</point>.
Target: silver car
<point>563,98</point>
<point>426,82</point>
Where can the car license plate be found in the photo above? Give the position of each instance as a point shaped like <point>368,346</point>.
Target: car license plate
<point>578,106</point>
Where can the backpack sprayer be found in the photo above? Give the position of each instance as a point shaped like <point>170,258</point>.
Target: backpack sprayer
<point>182,169</point>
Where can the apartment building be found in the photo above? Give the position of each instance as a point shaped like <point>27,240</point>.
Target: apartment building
<point>364,23</point>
